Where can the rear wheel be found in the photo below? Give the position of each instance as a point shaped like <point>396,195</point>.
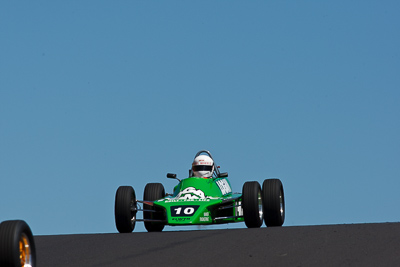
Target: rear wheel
<point>152,192</point>
<point>273,202</point>
<point>17,247</point>
<point>125,209</point>
<point>252,204</point>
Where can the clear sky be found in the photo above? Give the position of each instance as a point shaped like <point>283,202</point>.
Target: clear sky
<point>99,94</point>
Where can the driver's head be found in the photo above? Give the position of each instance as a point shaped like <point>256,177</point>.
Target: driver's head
<point>203,166</point>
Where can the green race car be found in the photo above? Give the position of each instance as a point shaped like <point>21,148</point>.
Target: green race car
<point>201,201</point>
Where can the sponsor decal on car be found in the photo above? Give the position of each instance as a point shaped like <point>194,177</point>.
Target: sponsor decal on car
<point>224,186</point>
<point>184,200</point>
<point>238,209</point>
<point>204,219</point>
<point>190,194</point>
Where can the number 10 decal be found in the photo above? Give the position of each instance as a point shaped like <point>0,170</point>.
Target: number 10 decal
<point>183,211</point>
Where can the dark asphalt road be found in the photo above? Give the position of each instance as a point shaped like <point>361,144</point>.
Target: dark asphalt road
<point>329,245</point>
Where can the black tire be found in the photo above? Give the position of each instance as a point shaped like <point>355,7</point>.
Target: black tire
<point>125,209</point>
<point>17,246</point>
<point>252,205</point>
<point>273,202</point>
<point>153,191</point>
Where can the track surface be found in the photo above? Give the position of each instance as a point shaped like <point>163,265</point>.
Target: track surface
<point>329,245</point>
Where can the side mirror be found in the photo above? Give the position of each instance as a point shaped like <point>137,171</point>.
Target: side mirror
<point>172,176</point>
<point>224,174</point>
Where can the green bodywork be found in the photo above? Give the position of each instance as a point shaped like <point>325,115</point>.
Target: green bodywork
<point>201,201</point>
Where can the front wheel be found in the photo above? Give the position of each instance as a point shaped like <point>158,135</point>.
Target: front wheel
<point>252,205</point>
<point>154,215</point>
<point>125,209</point>
<point>17,247</point>
<point>273,202</point>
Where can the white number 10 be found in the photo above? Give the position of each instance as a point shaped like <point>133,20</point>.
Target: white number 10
<point>187,211</point>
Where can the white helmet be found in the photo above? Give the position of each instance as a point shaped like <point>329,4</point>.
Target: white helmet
<point>203,166</point>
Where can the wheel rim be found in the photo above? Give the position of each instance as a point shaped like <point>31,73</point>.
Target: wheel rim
<point>25,253</point>
<point>133,211</point>
<point>260,206</point>
<point>281,203</point>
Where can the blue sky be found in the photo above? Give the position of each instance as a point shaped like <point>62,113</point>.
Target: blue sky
<point>98,94</point>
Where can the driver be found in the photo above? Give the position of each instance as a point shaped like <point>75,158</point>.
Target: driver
<point>203,166</point>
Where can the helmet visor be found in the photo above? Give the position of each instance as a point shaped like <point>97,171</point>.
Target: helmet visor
<point>198,168</point>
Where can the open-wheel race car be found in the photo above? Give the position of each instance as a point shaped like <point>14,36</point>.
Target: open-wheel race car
<point>204,198</point>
